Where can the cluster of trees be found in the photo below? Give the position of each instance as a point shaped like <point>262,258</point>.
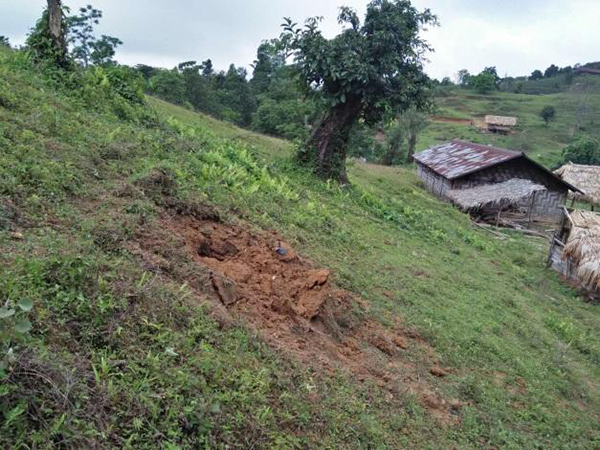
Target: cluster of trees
<point>271,101</point>
<point>486,81</point>
<point>304,85</point>
<point>550,72</point>
<point>554,79</point>
<point>356,83</point>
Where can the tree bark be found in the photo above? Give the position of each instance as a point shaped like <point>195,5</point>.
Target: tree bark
<point>56,29</point>
<point>325,150</point>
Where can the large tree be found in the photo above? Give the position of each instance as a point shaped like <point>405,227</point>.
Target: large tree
<point>368,71</point>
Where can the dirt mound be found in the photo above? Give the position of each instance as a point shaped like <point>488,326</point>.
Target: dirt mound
<point>297,309</point>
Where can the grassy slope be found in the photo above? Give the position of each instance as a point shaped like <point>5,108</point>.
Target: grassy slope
<point>524,348</point>
<point>532,136</point>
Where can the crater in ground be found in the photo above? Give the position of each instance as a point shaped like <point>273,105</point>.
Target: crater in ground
<point>298,310</point>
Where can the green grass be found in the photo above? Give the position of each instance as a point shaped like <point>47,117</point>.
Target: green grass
<point>123,355</point>
<point>543,143</point>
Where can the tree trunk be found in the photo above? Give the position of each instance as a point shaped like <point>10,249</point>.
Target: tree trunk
<point>412,143</point>
<point>56,29</point>
<point>325,150</point>
<point>390,156</point>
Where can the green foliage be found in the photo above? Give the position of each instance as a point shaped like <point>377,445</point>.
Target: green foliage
<point>86,48</point>
<point>484,83</point>
<point>586,150</point>
<point>366,142</point>
<point>375,63</point>
<point>4,41</point>
<point>548,114</point>
<point>395,139</point>
<point>536,75</point>
<point>168,85</point>
<point>464,77</point>
<point>42,48</point>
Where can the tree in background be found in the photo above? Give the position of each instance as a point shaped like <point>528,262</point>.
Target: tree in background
<point>484,83</point>
<point>536,75</point>
<point>494,73</point>
<point>396,136</point>
<point>168,85</point>
<point>463,77</point>
<point>270,58</point>
<point>548,114</point>
<point>586,150</point>
<point>551,71</point>
<point>87,48</point>
<point>367,71</point>
<point>4,41</point>
<point>413,122</point>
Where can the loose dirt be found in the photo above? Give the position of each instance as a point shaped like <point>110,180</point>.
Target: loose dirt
<point>298,310</point>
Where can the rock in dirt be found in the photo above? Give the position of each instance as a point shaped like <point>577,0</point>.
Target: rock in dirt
<point>309,304</point>
<point>17,236</point>
<point>437,371</point>
<point>401,342</point>
<point>383,344</point>
<point>225,289</point>
<point>317,278</point>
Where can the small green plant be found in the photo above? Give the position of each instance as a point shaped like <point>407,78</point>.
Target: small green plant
<point>548,114</point>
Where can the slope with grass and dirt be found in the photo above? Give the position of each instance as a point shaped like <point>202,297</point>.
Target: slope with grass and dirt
<point>461,113</point>
<point>192,287</point>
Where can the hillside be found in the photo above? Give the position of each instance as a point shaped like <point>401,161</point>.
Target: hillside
<point>457,107</point>
<point>192,288</point>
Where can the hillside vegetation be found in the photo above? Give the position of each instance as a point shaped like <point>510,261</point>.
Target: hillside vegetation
<point>580,102</point>
<point>433,335</point>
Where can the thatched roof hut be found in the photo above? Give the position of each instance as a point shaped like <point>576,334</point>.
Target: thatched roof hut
<point>502,121</point>
<point>586,178</point>
<point>500,124</point>
<point>496,195</point>
<point>582,248</point>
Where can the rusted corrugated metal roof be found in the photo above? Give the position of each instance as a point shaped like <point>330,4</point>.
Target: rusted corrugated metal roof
<point>458,158</point>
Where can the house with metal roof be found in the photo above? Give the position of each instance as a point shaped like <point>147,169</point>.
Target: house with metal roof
<point>457,165</point>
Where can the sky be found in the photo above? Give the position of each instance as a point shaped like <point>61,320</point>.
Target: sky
<point>516,36</point>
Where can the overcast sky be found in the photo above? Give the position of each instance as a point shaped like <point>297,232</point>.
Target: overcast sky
<point>516,36</point>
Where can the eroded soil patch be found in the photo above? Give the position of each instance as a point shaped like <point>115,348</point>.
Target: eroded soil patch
<point>298,310</point>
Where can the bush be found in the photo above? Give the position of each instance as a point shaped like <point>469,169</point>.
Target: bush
<point>584,151</point>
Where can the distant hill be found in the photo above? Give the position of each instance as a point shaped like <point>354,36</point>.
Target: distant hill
<point>577,111</point>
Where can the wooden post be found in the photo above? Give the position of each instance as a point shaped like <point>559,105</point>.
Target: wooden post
<point>531,210</point>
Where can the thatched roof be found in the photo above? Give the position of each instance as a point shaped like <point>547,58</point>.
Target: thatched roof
<point>586,178</point>
<point>583,248</point>
<point>502,121</point>
<point>499,194</point>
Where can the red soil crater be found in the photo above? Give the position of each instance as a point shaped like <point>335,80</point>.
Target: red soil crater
<point>297,309</point>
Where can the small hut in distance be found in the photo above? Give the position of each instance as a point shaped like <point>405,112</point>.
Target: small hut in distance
<point>500,124</point>
<point>587,178</point>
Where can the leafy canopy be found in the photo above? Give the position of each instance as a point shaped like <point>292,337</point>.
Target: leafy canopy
<point>548,113</point>
<point>586,150</point>
<point>378,64</point>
